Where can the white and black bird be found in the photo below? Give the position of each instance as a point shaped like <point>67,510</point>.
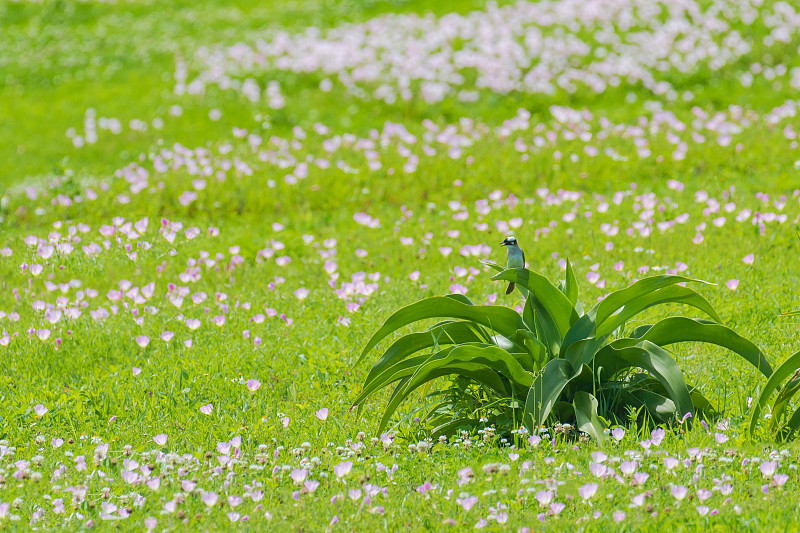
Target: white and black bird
<point>515,258</point>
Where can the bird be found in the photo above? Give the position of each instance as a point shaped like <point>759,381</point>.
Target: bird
<point>516,258</point>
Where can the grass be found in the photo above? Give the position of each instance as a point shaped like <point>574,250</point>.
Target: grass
<point>100,386</point>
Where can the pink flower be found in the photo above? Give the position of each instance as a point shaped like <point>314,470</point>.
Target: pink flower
<point>748,259</point>
<point>679,492</point>
<point>299,475</point>
<point>703,494</point>
<point>588,490</point>
<point>544,497</point>
<point>193,324</point>
<point>457,288</point>
<point>628,467</point>
<point>592,277</point>
<point>342,469</point>
<point>467,502</point>
<point>425,487</point>
<point>732,284</point>
<point>40,410</point>
<point>207,409</point>
<point>768,468</point>
<point>210,498</point>
<point>136,371</point>
<point>142,341</point>
<point>253,385</point>
<point>322,414</point>
<point>301,293</point>
<point>160,439</point>
<point>414,276</point>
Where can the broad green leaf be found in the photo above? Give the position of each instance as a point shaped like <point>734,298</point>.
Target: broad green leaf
<point>545,327</point>
<point>681,329</point>
<point>589,327</point>
<point>553,301</point>
<point>527,315</point>
<point>545,392</point>
<point>791,427</point>
<point>497,318</point>
<point>489,356</point>
<point>660,407</point>
<point>515,344</point>
<point>654,359</point>
<point>404,368</point>
<point>536,349</point>
<point>586,416</point>
<point>611,304</point>
<point>786,369</point>
<point>672,294</point>
<point>571,285</point>
<point>439,335</point>
<point>480,354</point>
<point>782,401</point>
<point>582,329</point>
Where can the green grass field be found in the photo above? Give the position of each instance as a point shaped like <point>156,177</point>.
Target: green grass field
<point>190,270</point>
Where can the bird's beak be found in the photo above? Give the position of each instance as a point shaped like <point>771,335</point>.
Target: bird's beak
<point>503,243</point>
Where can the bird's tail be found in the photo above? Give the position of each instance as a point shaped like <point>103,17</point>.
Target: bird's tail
<point>510,288</point>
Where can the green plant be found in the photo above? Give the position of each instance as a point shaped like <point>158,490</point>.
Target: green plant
<point>553,362</point>
<point>782,426</point>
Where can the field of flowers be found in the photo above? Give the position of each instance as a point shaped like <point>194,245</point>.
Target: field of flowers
<point>208,208</point>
